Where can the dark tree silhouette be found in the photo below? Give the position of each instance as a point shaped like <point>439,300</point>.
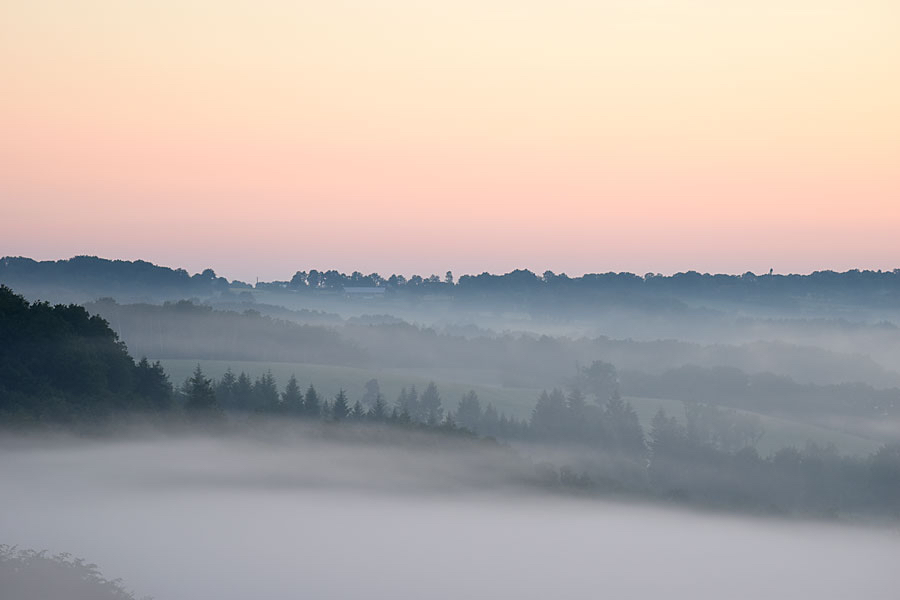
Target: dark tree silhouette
<point>152,383</point>
<point>200,397</point>
<point>59,363</point>
<point>243,392</point>
<point>312,406</point>
<point>265,392</point>
<point>292,397</point>
<point>226,390</point>
<point>340,409</point>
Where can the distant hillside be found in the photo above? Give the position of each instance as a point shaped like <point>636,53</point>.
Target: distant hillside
<point>650,291</point>
<point>186,330</point>
<point>85,278</point>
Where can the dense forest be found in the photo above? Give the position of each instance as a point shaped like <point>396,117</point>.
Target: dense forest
<point>59,363</point>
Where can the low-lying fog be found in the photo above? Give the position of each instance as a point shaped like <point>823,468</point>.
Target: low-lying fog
<point>236,518</point>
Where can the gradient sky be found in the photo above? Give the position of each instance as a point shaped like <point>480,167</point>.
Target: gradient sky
<point>262,137</point>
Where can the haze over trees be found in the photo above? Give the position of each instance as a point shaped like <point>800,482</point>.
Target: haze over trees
<point>472,384</point>
<point>65,354</point>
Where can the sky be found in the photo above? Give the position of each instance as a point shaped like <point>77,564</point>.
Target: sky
<point>262,137</point>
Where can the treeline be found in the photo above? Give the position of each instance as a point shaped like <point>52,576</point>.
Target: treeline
<point>686,466</point>
<point>106,277</point>
<point>59,363</point>
<point>764,392</point>
<point>609,424</point>
<point>529,360</point>
<point>239,394</point>
<point>875,287</point>
<point>85,278</point>
<point>707,458</point>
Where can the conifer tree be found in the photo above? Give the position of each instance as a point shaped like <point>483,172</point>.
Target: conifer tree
<point>490,421</point>
<point>292,397</point>
<point>431,411</point>
<point>358,413</point>
<point>325,410</point>
<point>378,412</point>
<point>312,407</point>
<point>623,425</point>
<point>200,395</point>
<point>340,409</point>
<point>152,384</point>
<point>243,392</point>
<point>225,389</point>
<point>468,412</point>
<point>408,403</point>
<point>265,392</point>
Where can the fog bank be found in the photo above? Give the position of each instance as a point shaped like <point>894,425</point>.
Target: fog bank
<point>189,518</point>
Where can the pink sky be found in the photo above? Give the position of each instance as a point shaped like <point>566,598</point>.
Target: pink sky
<point>260,138</point>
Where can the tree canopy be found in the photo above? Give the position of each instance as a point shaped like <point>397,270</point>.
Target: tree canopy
<point>60,363</point>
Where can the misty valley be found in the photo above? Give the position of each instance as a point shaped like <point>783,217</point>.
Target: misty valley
<point>518,436</point>
<point>449,300</point>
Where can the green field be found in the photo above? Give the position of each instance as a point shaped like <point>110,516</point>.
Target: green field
<point>515,401</point>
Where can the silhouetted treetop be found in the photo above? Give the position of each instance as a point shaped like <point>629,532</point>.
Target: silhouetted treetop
<point>59,362</point>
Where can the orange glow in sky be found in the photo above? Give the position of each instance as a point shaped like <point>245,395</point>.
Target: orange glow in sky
<point>262,137</point>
